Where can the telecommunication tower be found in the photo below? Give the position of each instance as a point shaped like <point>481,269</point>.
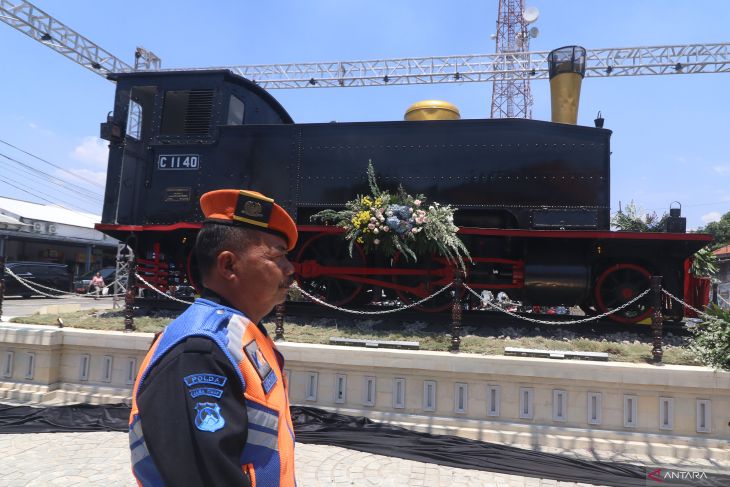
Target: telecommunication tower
<point>511,96</point>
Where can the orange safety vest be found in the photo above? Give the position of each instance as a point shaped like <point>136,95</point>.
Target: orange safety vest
<point>268,456</point>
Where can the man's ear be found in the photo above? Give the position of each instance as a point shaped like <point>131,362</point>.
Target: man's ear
<point>225,264</point>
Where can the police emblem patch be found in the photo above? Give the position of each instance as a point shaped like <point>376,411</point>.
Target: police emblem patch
<point>209,417</point>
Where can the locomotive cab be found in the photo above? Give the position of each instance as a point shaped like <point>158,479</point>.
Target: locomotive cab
<point>170,122</point>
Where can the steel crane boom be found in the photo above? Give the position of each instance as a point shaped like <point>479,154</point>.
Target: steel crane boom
<point>610,62</point>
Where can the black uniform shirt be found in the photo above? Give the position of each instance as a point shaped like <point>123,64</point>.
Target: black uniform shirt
<point>184,453</point>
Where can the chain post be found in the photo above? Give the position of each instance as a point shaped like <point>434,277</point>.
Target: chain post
<point>279,332</point>
<point>130,294</point>
<point>656,318</point>
<point>456,312</point>
<point>2,284</point>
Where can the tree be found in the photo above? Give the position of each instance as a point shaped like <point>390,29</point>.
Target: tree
<point>720,230</point>
<point>710,339</point>
<point>704,263</point>
<point>630,219</point>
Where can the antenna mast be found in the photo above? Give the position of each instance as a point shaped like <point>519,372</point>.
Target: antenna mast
<point>511,96</point>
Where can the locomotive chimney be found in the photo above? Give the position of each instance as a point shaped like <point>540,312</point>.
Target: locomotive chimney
<point>567,66</point>
<point>432,110</point>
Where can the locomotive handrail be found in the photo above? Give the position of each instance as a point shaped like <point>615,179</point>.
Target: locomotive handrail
<point>547,322</point>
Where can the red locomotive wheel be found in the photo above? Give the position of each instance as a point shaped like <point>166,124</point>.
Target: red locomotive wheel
<point>331,251</point>
<point>432,282</point>
<point>620,283</point>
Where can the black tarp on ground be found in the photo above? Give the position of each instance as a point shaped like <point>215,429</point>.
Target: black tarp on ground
<point>313,425</point>
<point>64,419</point>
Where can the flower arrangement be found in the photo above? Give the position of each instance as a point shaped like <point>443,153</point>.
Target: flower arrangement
<point>391,223</point>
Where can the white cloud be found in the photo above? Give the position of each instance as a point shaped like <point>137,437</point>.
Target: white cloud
<point>92,150</point>
<point>32,125</point>
<point>713,216</point>
<point>722,169</point>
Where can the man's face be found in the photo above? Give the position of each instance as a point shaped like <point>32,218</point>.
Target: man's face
<point>264,275</point>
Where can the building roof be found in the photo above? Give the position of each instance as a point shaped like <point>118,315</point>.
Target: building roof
<point>722,251</point>
<point>9,220</point>
<point>47,213</point>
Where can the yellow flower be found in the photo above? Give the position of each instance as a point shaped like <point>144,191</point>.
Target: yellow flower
<point>360,240</point>
<point>366,201</point>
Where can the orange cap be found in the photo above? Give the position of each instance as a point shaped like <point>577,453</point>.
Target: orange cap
<point>249,209</point>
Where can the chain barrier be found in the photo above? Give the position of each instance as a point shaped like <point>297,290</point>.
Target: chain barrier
<point>699,313</point>
<point>24,283</point>
<point>546,322</point>
<point>382,312</point>
<point>161,293</point>
<point>36,287</point>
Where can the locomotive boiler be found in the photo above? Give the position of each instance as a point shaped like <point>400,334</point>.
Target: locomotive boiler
<point>533,197</point>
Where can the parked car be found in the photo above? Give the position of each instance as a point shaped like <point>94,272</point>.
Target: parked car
<point>82,284</point>
<point>56,276</point>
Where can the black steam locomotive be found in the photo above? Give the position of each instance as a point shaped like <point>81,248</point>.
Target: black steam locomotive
<point>532,196</point>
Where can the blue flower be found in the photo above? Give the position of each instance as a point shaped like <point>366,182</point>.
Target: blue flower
<point>397,225</point>
<point>401,211</point>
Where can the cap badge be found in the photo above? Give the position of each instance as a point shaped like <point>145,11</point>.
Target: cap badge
<point>253,209</point>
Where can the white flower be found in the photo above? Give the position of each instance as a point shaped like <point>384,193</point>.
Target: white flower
<point>372,219</point>
<point>371,226</point>
<point>431,208</point>
<point>376,241</point>
<point>389,213</point>
<point>376,231</point>
<point>417,202</point>
<point>410,210</point>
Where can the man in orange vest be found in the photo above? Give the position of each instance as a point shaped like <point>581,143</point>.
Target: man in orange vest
<point>210,404</point>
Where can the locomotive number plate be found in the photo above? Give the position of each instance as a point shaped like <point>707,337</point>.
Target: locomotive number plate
<point>184,162</point>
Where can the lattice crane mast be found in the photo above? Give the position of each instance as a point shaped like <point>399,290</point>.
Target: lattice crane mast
<point>511,96</point>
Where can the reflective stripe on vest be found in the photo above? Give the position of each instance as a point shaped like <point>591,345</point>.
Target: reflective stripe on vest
<point>269,448</point>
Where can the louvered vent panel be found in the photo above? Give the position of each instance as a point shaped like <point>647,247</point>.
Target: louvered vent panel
<point>199,112</point>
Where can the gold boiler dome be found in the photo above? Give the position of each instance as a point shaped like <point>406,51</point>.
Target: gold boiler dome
<point>432,110</point>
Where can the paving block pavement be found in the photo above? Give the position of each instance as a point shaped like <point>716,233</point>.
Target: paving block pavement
<point>102,459</point>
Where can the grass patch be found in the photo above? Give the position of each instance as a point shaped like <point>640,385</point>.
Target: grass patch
<point>484,341</point>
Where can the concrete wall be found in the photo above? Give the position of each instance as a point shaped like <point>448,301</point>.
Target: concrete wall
<point>666,410</point>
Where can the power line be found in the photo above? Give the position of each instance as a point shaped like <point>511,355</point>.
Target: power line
<point>51,164</point>
<point>26,189</point>
<point>43,185</point>
<point>62,182</point>
<point>47,178</point>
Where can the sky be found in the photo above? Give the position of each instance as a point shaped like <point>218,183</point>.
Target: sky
<point>670,133</point>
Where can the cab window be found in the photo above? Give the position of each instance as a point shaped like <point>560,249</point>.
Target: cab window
<point>235,111</point>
